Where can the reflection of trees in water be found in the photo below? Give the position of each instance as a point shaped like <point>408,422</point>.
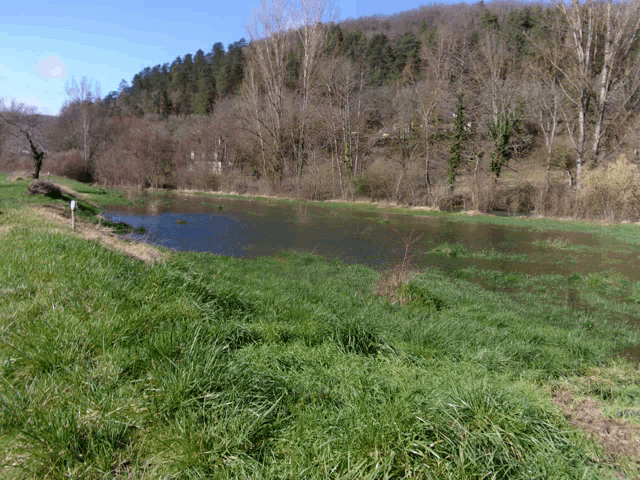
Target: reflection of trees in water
<point>302,215</point>
<point>364,231</point>
<point>153,208</point>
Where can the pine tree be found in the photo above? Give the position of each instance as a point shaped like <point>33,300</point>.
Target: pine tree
<point>204,98</point>
<point>380,56</point>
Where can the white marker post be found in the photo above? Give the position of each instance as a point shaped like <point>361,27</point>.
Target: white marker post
<point>73,214</point>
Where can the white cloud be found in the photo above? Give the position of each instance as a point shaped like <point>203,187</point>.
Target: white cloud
<point>52,67</point>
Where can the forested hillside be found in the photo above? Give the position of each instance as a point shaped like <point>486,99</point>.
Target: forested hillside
<point>514,106</point>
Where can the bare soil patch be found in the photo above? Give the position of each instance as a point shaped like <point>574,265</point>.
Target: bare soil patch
<point>619,438</point>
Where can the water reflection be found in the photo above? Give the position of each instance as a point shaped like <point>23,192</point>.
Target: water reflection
<point>245,228</point>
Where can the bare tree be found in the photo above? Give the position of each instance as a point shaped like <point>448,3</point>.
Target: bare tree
<point>402,140</point>
<point>283,131</point>
<point>431,92</point>
<point>25,132</point>
<point>343,83</point>
<point>251,115</point>
<point>152,150</point>
<point>310,20</point>
<point>599,75</point>
<point>545,96</point>
<point>266,63</point>
<point>86,95</point>
<point>494,73</point>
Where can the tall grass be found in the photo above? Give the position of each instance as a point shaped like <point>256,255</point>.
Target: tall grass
<point>210,366</point>
<point>288,367</point>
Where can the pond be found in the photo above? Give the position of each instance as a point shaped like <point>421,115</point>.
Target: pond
<point>251,228</point>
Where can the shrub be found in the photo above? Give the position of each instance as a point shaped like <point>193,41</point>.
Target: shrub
<point>483,194</point>
<point>376,182</point>
<point>317,184</point>
<point>520,199</point>
<point>73,166</point>
<point>391,283</point>
<point>242,184</point>
<point>558,201</point>
<point>611,192</point>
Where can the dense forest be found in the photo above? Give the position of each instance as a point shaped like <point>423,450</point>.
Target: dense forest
<point>512,106</point>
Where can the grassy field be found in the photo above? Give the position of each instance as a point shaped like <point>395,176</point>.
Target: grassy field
<point>201,366</point>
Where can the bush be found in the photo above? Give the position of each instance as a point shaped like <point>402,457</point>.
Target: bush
<point>611,192</point>
<point>74,167</point>
<point>316,183</point>
<point>483,194</point>
<point>558,201</point>
<point>239,183</point>
<point>377,182</point>
<point>519,199</point>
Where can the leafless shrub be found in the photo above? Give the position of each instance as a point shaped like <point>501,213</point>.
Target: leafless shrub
<point>437,196</point>
<point>116,168</point>
<point>72,165</point>
<point>244,184</point>
<point>390,283</point>
<point>519,199</point>
<point>611,192</point>
<point>316,183</point>
<point>483,194</point>
<point>377,182</point>
<point>559,200</point>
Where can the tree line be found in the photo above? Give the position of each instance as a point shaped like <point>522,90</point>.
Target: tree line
<point>431,107</point>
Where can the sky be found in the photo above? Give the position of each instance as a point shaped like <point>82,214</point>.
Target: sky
<point>45,44</point>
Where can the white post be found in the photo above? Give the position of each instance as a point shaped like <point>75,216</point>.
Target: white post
<point>73,214</point>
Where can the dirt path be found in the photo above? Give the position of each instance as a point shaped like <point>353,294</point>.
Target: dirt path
<point>61,216</point>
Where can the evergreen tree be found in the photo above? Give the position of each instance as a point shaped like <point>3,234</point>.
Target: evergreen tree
<point>355,46</point>
<point>335,42</point>
<point>204,98</point>
<point>381,58</point>
<point>231,73</point>
<point>200,64</point>
<point>407,54</point>
<point>123,87</point>
<point>459,137</point>
<point>190,77</point>
<point>518,26</point>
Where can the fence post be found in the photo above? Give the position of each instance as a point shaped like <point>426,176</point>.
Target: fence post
<point>73,214</point>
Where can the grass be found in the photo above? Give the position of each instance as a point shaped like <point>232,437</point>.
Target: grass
<point>290,367</point>
<point>458,250</point>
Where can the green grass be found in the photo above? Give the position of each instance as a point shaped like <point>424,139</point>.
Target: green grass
<point>458,250</point>
<point>289,367</point>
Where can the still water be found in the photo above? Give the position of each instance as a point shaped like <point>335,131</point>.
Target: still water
<point>248,228</point>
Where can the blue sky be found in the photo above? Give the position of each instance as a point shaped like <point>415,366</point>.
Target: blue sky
<point>43,44</point>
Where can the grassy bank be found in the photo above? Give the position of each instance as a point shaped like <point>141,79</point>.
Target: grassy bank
<point>290,367</point>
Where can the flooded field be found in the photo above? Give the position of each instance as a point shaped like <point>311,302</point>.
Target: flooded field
<point>249,228</point>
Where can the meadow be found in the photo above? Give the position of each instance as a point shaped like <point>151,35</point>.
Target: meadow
<point>191,365</point>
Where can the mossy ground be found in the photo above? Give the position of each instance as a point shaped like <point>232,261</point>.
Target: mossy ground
<point>290,367</point>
